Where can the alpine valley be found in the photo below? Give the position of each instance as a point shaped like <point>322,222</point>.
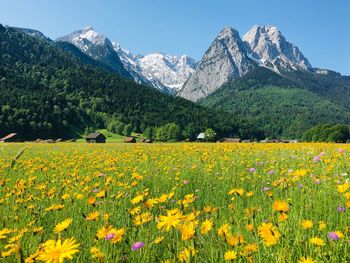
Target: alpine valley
<point>257,86</point>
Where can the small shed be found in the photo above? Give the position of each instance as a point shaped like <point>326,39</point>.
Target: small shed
<point>12,137</point>
<point>130,140</point>
<point>95,137</point>
<point>201,137</point>
<point>234,140</point>
<point>146,140</point>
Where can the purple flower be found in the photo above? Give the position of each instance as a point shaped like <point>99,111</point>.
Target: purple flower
<point>266,188</point>
<point>316,159</point>
<point>317,181</point>
<point>271,172</point>
<point>252,170</point>
<point>109,236</point>
<point>341,209</point>
<point>101,175</point>
<point>300,185</point>
<point>137,245</point>
<point>95,190</point>
<point>185,182</point>
<point>333,236</point>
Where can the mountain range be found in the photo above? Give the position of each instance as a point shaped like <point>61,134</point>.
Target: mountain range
<point>164,72</point>
<point>257,78</point>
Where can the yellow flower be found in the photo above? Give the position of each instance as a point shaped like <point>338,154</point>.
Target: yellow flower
<point>280,206</point>
<point>306,260</point>
<point>207,225</point>
<point>269,234</point>
<point>234,240</point>
<point>238,191</point>
<point>186,254</point>
<point>282,217</point>
<point>158,240</point>
<point>118,235</point>
<point>137,199</point>
<point>250,248</point>
<point>172,219</point>
<point>188,231</point>
<point>306,224</point>
<point>224,230</point>
<point>339,234</point>
<point>230,255</point>
<point>317,241</point>
<point>56,251</point>
<point>97,254</point>
<point>321,225</point>
<point>250,227</point>
<point>60,227</point>
<point>93,216</point>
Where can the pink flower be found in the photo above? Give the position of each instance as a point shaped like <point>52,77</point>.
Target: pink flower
<point>252,170</point>
<point>109,236</point>
<point>316,159</point>
<point>333,236</point>
<point>137,245</point>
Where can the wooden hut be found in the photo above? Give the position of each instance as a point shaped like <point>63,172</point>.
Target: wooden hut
<point>95,137</point>
<point>130,140</point>
<point>234,140</point>
<point>201,137</point>
<point>12,137</point>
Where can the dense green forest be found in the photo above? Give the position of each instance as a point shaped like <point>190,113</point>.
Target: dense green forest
<point>328,133</point>
<point>47,93</point>
<point>281,106</point>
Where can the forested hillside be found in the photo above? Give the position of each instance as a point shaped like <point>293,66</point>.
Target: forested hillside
<point>46,92</point>
<point>283,107</point>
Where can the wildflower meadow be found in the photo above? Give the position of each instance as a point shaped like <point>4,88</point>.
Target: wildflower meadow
<point>179,202</point>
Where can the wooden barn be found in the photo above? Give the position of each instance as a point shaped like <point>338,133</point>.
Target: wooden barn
<point>201,137</point>
<point>95,137</point>
<point>146,140</point>
<point>130,140</point>
<point>12,137</point>
<point>235,140</point>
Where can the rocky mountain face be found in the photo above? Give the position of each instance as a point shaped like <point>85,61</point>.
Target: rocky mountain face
<point>226,58</point>
<point>164,72</point>
<point>98,47</point>
<point>270,47</point>
<point>229,57</point>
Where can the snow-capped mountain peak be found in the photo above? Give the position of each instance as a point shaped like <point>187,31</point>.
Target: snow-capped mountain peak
<point>164,72</point>
<point>97,46</point>
<point>268,45</point>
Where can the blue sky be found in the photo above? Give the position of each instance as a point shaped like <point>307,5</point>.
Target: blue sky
<point>321,29</point>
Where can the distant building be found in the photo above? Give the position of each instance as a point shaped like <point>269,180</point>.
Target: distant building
<point>201,137</point>
<point>235,140</point>
<point>12,137</point>
<point>146,140</point>
<point>130,140</point>
<point>95,137</point>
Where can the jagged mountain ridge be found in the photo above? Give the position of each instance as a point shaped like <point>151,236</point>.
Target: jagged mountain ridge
<point>98,47</point>
<point>226,58</point>
<point>229,57</point>
<point>271,48</point>
<point>164,72</point>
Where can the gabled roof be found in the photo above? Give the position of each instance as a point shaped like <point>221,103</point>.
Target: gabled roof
<point>8,136</point>
<point>94,135</point>
<point>201,136</point>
